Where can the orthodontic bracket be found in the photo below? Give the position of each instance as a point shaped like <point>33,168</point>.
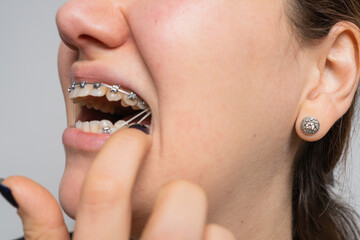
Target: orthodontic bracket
<point>144,104</point>
<point>72,87</point>
<point>106,130</point>
<point>132,96</point>
<point>97,85</point>
<point>115,88</point>
<point>83,84</point>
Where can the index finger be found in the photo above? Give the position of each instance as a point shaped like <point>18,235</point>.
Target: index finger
<point>104,209</point>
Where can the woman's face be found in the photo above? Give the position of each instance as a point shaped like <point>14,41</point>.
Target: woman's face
<point>222,79</point>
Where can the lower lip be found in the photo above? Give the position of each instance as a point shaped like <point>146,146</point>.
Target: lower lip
<point>76,139</point>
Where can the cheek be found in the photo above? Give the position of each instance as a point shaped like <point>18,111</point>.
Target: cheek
<point>168,31</point>
<point>223,75</point>
<point>216,53</point>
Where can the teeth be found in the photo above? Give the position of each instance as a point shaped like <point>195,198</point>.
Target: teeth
<point>142,105</point>
<point>129,101</point>
<point>108,109</point>
<point>112,96</point>
<point>74,92</point>
<point>85,126</point>
<point>78,124</point>
<point>82,104</point>
<point>83,92</point>
<point>98,105</point>
<point>106,123</point>
<point>98,92</point>
<point>119,124</point>
<point>94,126</point>
<point>135,107</point>
<point>123,103</point>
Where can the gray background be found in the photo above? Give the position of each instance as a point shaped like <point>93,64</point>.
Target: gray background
<point>32,110</point>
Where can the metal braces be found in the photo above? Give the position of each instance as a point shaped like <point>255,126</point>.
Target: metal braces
<point>114,88</point>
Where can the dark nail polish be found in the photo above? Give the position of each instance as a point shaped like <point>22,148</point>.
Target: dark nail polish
<point>6,193</point>
<point>140,127</point>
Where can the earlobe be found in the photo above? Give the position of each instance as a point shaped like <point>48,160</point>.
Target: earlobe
<point>322,110</point>
<point>338,64</point>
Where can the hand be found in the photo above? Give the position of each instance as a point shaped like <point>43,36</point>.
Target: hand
<point>104,209</point>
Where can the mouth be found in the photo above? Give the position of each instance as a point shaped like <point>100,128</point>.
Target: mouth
<point>103,109</point>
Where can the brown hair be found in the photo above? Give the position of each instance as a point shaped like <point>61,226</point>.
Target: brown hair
<point>317,212</point>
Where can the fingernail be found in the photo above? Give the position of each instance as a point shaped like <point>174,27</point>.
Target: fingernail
<point>140,127</point>
<point>6,193</point>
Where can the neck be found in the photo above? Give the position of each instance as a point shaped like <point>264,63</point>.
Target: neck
<point>260,211</point>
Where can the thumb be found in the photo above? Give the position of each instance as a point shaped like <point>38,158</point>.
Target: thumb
<point>38,209</point>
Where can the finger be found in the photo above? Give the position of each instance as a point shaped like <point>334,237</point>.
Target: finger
<point>179,213</point>
<point>38,209</point>
<point>104,208</point>
<point>217,232</point>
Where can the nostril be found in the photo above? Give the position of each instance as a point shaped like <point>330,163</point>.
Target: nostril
<point>86,39</point>
<point>91,23</point>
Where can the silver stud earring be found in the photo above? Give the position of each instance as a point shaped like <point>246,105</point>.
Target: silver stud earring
<point>310,125</point>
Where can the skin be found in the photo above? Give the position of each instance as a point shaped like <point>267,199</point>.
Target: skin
<point>228,84</point>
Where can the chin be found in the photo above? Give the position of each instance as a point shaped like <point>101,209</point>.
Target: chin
<point>69,195</point>
<point>70,190</point>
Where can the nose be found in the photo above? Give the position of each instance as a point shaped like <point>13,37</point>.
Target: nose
<point>85,23</point>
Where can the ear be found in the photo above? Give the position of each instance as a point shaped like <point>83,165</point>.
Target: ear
<point>331,93</point>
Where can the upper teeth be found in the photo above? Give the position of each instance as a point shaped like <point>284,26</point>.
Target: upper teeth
<point>113,93</point>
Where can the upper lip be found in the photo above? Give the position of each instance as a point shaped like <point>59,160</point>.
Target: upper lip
<point>92,72</point>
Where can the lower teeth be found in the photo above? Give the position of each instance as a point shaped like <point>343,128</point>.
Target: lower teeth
<point>103,126</point>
